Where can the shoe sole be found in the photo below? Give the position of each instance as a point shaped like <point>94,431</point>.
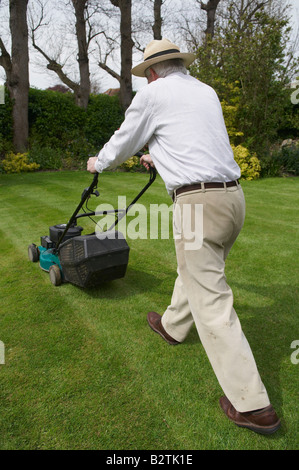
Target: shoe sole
<point>260,429</point>
<point>265,430</point>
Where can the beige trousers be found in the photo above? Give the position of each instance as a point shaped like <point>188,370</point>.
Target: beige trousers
<point>206,224</point>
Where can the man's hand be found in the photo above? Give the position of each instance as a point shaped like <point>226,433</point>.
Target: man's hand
<point>146,161</point>
<point>91,164</point>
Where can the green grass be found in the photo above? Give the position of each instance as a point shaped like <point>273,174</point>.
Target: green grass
<point>82,368</point>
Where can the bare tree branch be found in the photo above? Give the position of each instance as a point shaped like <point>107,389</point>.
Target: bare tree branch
<point>81,89</point>
<point>5,59</point>
<point>114,74</point>
<point>54,66</point>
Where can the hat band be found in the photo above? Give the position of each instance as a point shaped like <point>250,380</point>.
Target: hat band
<point>168,51</point>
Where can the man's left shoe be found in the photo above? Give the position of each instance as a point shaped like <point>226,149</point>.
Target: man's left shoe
<point>263,421</point>
<point>154,321</point>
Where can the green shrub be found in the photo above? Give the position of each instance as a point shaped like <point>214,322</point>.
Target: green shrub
<point>6,125</point>
<point>104,116</point>
<point>17,163</point>
<point>249,164</point>
<point>284,161</point>
<point>56,122</point>
<point>132,164</point>
<point>46,157</point>
<point>54,119</point>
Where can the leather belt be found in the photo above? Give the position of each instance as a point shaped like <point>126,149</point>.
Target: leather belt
<point>203,186</point>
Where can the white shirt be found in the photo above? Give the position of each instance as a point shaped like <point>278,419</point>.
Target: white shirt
<point>181,120</point>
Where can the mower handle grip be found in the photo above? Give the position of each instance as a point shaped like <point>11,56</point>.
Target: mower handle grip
<point>95,180</point>
<point>153,171</point>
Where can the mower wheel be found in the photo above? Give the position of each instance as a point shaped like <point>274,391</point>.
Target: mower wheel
<point>33,253</point>
<point>55,275</point>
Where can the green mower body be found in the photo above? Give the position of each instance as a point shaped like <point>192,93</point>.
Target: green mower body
<point>48,261</point>
<point>47,258</point>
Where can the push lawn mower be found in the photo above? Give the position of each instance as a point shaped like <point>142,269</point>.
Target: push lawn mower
<point>85,260</point>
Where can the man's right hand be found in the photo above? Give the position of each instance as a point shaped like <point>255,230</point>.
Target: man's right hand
<point>146,161</point>
<point>91,164</point>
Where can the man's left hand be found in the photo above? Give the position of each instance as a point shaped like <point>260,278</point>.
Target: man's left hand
<point>91,164</point>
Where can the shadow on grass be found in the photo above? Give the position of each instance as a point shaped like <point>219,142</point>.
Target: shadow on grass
<point>270,330</point>
<point>268,315</point>
<point>135,281</point>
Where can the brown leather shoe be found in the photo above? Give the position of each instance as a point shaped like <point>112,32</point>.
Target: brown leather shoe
<point>263,421</point>
<point>154,321</point>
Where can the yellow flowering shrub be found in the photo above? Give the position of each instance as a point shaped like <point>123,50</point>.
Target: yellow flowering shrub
<point>230,109</point>
<point>131,163</point>
<point>17,163</point>
<point>249,164</point>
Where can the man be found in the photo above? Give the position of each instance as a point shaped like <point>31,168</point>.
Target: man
<point>181,120</point>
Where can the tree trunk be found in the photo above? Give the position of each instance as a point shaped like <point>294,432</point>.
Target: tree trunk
<point>18,75</point>
<point>210,8</point>
<point>126,46</point>
<point>126,53</point>
<point>157,26</point>
<point>83,91</point>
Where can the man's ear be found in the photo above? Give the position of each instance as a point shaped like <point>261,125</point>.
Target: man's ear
<point>153,75</point>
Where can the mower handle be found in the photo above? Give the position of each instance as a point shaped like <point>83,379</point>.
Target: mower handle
<point>87,193</point>
<point>122,212</point>
<point>94,181</point>
<point>153,174</point>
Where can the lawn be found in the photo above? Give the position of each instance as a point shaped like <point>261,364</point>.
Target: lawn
<point>82,368</point>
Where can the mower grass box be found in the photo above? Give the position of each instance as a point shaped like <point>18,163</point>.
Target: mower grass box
<point>85,260</point>
<point>90,260</point>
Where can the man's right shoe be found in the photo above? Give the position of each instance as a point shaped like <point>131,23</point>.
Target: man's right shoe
<point>154,321</point>
<point>263,421</point>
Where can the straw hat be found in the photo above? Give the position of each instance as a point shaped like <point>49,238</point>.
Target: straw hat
<point>159,50</point>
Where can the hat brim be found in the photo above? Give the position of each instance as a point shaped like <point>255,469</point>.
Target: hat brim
<point>139,70</point>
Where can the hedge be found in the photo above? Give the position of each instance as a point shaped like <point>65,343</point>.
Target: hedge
<point>62,135</point>
<point>6,133</point>
<point>58,125</point>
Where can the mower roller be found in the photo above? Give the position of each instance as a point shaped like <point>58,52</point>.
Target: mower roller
<point>85,260</point>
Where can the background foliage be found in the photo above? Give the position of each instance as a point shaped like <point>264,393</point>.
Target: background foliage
<point>57,123</point>
<point>63,136</point>
<point>246,50</point>
<point>60,133</point>
<point>248,65</point>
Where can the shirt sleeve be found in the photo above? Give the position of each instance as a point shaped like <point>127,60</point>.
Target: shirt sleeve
<point>134,133</point>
